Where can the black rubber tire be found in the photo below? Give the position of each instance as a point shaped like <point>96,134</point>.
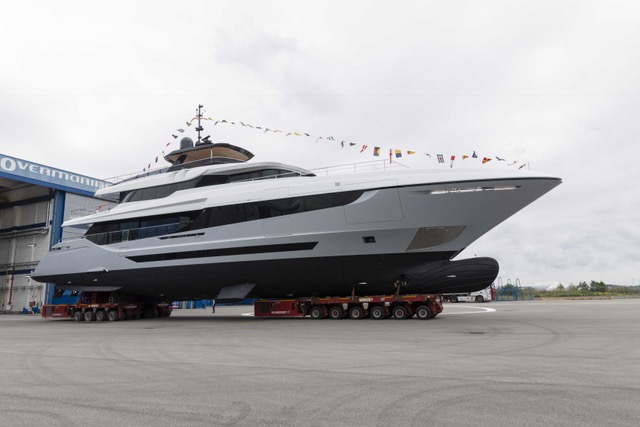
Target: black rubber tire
<point>453,299</point>
<point>112,315</point>
<point>89,316</point>
<point>479,298</point>
<point>316,312</point>
<point>377,312</point>
<point>356,312</point>
<point>400,312</point>
<point>101,316</point>
<point>78,316</point>
<point>336,312</point>
<point>423,312</point>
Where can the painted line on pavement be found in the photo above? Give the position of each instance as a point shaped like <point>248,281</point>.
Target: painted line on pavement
<point>484,310</point>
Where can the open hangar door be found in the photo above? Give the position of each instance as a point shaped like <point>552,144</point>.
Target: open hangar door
<point>25,218</point>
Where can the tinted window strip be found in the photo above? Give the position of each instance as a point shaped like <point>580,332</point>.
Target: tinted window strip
<point>225,215</point>
<point>245,250</point>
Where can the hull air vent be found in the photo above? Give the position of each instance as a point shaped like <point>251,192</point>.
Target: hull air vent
<point>430,237</point>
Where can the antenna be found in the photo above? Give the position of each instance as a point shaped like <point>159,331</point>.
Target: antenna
<point>199,116</point>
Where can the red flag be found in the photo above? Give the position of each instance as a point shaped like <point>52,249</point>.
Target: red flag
<point>485,160</point>
<point>364,147</point>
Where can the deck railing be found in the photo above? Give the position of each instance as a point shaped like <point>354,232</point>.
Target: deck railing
<point>359,167</point>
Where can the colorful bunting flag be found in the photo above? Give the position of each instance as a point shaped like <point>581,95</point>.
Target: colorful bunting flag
<point>376,150</point>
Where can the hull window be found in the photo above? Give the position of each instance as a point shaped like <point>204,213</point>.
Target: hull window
<point>247,250</point>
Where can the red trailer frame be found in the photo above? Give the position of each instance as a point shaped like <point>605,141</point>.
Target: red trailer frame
<point>423,306</point>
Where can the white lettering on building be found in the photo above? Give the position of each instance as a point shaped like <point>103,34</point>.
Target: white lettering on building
<point>8,164</point>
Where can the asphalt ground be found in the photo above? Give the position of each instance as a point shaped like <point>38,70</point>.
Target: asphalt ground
<point>565,363</point>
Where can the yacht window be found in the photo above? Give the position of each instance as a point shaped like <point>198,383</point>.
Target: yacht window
<point>161,191</point>
<point>233,214</point>
<point>119,231</point>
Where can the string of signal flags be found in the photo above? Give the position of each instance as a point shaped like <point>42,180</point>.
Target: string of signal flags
<point>375,151</point>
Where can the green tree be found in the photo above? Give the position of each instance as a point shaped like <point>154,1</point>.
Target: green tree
<point>598,286</point>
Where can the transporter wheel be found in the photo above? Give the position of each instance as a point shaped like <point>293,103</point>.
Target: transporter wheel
<point>356,312</point>
<point>377,312</point>
<point>336,312</point>
<point>89,316</point>
<point>316,312</point>
<point>423,312</point>
<point>78,316</point>
<point>453,299</point>
<point>112,315</point>
<point>101,316</point>
<point>479,298</point>
<point>400,312</point>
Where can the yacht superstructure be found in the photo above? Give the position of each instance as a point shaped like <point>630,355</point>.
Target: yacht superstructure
<point>215,225</point>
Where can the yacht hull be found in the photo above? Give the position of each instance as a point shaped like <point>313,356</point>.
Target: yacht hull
<point>392,230</point>
<point>325,276</point>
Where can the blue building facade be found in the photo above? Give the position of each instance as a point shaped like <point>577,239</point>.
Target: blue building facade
<point>35,200</point>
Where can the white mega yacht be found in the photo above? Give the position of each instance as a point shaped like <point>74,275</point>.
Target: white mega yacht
<point>217,225</point>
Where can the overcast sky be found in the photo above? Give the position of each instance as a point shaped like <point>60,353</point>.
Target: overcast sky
<point>98,88</point>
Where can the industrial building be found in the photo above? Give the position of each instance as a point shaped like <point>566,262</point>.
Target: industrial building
<point>34,202</point>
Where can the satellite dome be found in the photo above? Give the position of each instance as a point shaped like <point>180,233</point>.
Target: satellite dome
<point>186,142</point>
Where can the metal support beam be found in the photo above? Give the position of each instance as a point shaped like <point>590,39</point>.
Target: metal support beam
<point>57,219</point>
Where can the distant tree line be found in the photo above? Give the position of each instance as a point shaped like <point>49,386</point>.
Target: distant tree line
<point>589,289</point>
<point>583,286</point>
